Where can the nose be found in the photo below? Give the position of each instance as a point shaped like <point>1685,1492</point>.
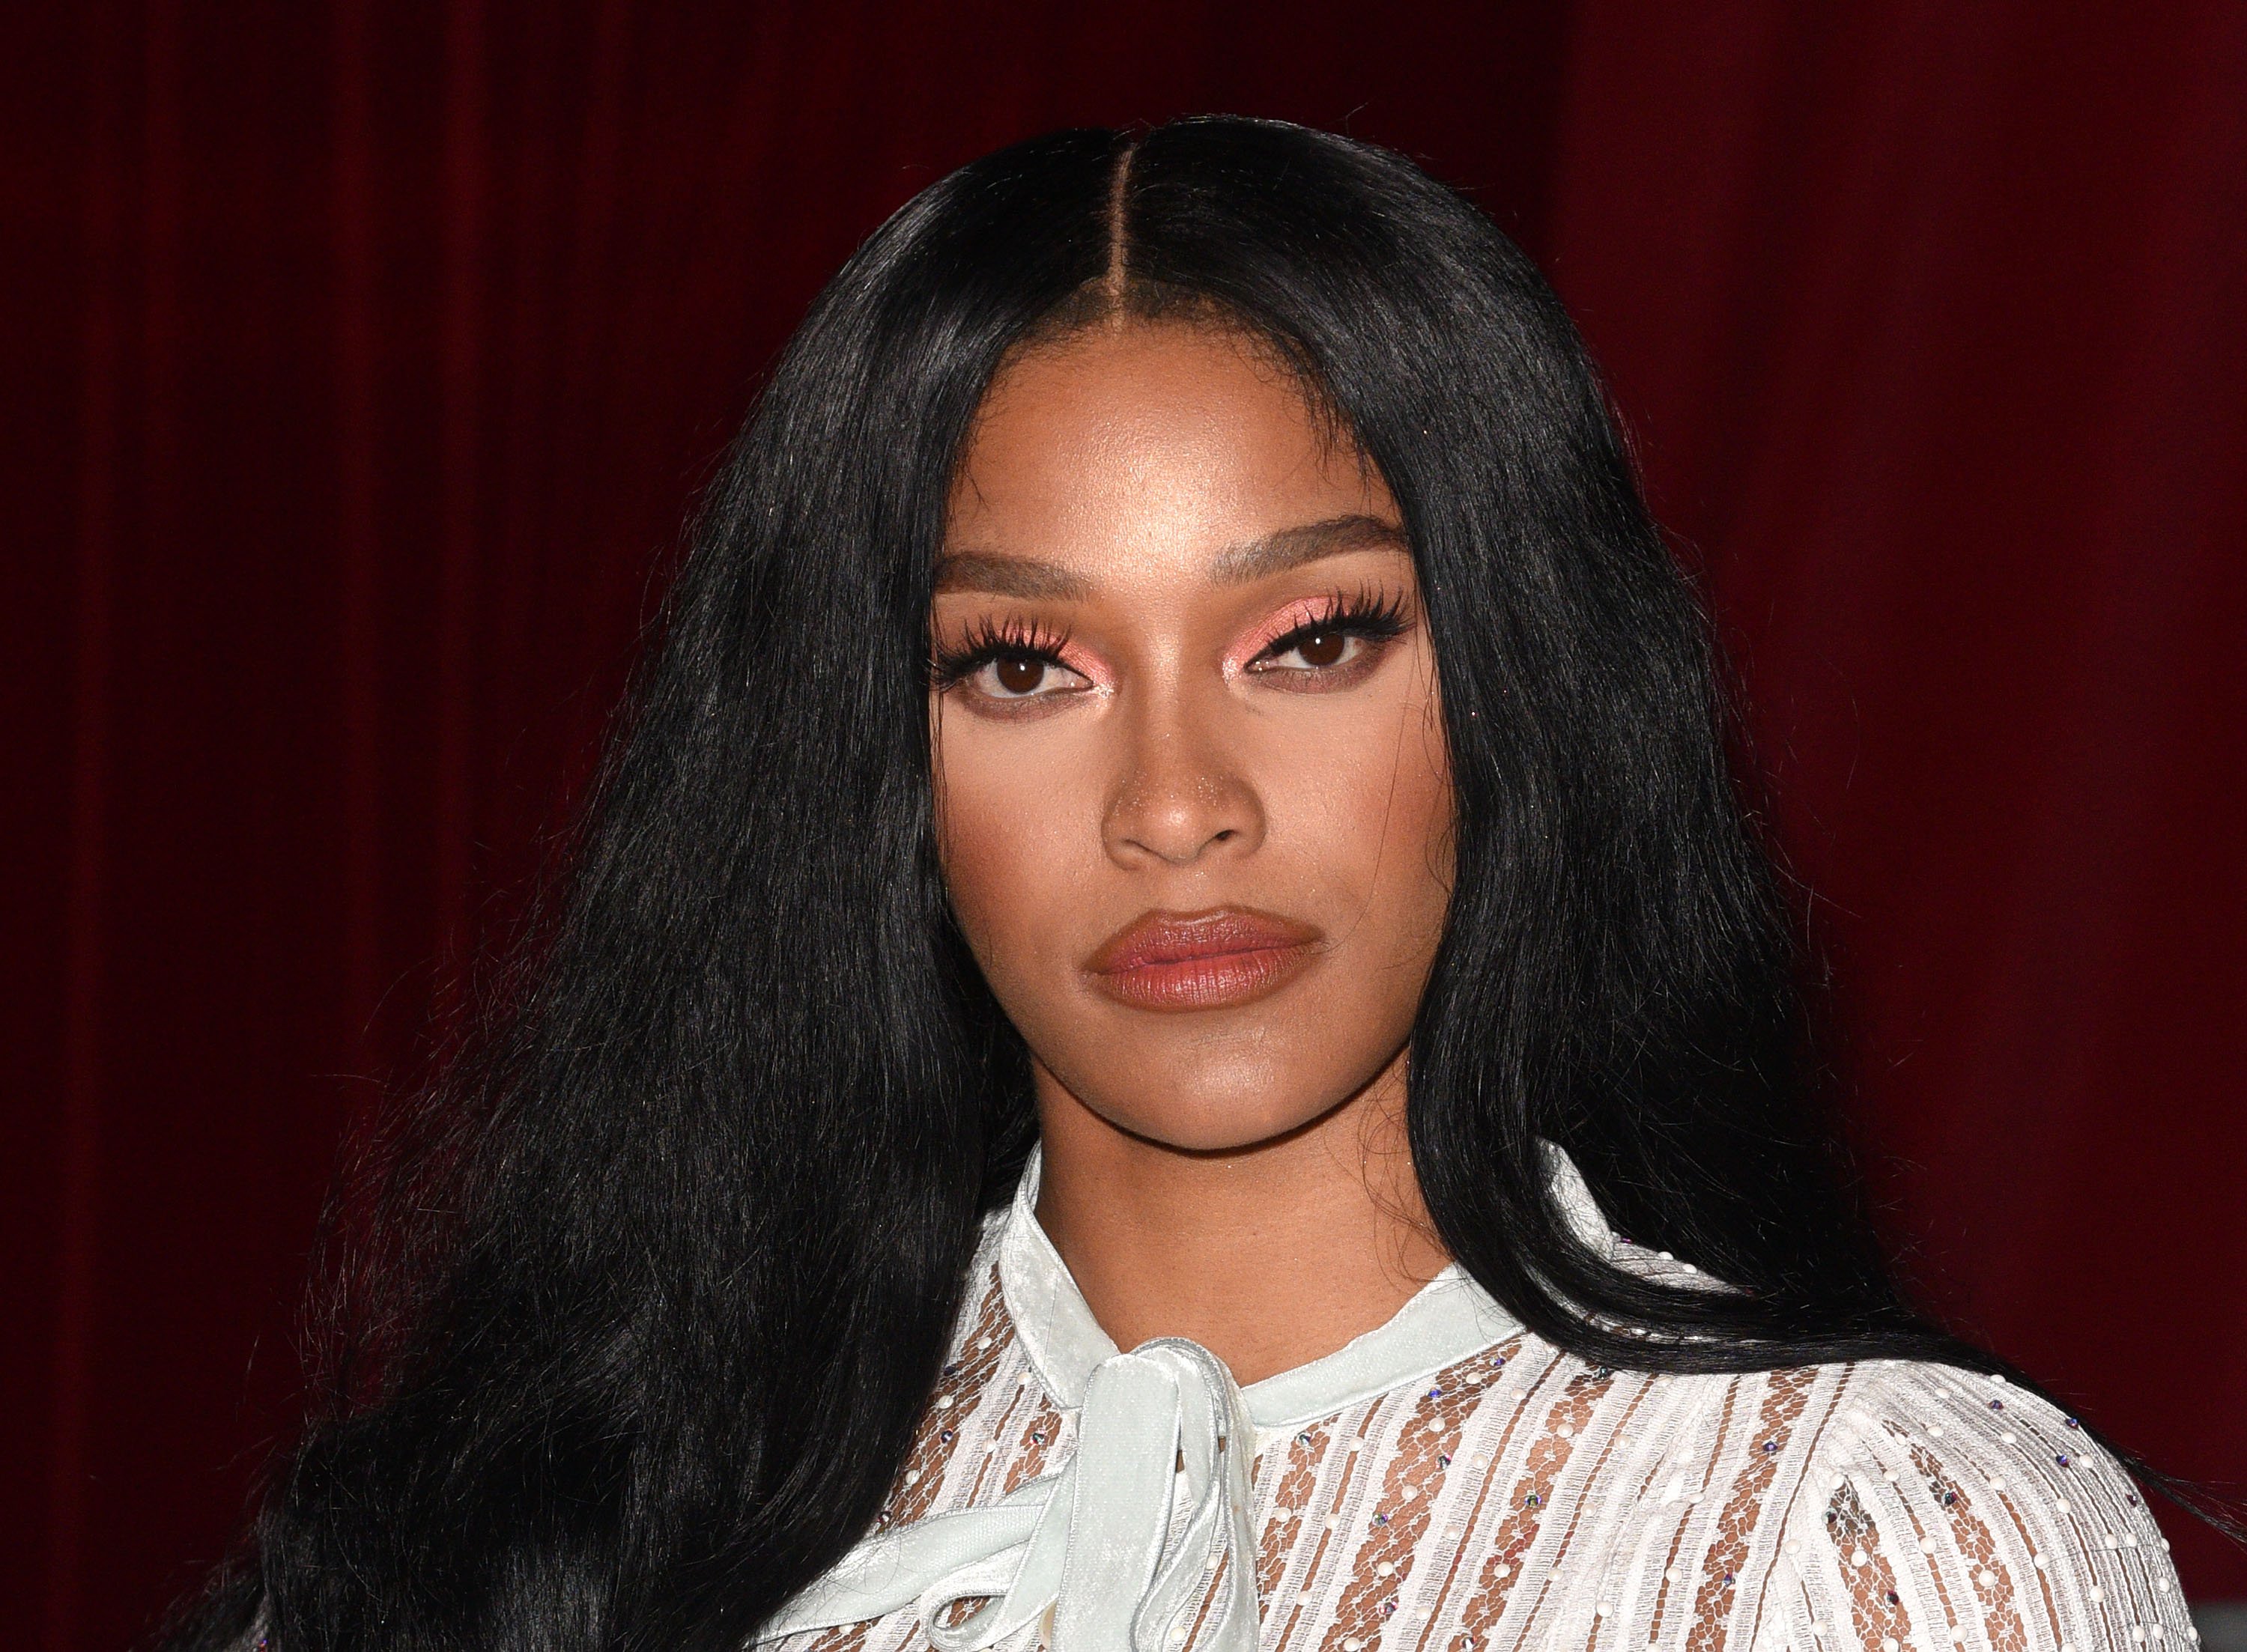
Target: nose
<point>1177,799</point>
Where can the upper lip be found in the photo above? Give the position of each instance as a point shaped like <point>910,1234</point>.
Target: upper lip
<point>1178,937</point>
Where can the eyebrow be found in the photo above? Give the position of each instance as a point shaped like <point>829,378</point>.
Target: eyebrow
<point>1293,547</point>
<point>1275,553</point>
<point>1010,576</point>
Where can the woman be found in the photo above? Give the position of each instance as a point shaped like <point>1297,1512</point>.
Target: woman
<point>1180,809</point>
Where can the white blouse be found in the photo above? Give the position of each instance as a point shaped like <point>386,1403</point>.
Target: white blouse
<point>1449,1483</point>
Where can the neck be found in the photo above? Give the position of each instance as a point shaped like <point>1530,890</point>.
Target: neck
<point>1269,1255</point>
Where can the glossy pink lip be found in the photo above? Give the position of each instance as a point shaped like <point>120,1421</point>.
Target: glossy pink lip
<point>1201,961</point>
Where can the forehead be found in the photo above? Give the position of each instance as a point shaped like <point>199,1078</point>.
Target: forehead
<point>1150,446</point>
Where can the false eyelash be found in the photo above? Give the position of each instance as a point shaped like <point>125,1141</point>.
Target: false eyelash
<point>984,642</point>
<point>1377,616</point>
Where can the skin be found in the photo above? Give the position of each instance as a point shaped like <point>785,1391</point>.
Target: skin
<point>1152,504</point>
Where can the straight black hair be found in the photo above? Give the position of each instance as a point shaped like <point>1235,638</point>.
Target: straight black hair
<point>667,1271</point>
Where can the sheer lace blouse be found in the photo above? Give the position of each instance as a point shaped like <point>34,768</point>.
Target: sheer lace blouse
<point>1449,1483</point>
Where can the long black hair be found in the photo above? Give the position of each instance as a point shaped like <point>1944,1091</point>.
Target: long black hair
<point>668,1275</point>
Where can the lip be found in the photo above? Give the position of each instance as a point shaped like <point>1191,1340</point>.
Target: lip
<point>1201,961</point>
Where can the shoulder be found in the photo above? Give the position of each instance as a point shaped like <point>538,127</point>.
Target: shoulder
<point>1936,1508</point>
<point>1875,1506</point>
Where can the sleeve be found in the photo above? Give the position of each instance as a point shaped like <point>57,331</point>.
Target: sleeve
<point>1944,1510</point>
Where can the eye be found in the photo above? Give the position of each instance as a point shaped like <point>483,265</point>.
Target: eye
<point>1017,674</point>
<point>1024,676</point>
<point>1335,647</point>
<point>1319,647</point>
<point>1007,665</point>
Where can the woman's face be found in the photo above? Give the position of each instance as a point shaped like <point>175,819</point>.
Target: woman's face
<point>1193,798</point>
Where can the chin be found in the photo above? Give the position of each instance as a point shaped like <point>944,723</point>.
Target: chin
<point>1198,1117</point>
<point>1218,1130</point>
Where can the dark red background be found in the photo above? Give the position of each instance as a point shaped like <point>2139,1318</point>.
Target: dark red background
<point>361,360</point>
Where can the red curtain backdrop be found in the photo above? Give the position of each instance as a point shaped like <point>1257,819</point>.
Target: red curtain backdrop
<point>361,361</point>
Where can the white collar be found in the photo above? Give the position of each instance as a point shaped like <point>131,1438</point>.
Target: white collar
<point>1446,1320</point>
<point>1159,1432</point>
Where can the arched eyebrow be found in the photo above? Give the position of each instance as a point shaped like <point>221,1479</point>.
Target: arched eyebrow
<point>1275,553</point>
<point>1292,547</point>
<point>999,575</point>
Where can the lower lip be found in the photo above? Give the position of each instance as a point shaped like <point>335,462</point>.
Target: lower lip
<point>1216,982</point>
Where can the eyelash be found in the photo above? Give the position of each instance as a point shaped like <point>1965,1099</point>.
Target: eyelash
<point>985,642</point>
<point>1377,617</point>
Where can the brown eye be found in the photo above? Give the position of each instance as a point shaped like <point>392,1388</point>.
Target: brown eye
<point>1320,648</point>
<point>1019,674</point>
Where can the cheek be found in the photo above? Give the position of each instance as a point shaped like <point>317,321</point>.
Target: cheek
<point>1424,806</point>
<point>1375,803</point>
<point>1006,848</point>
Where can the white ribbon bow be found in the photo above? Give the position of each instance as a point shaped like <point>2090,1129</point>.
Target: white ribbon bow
<point>1123,1540</point>
<point>1123,1543</point>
